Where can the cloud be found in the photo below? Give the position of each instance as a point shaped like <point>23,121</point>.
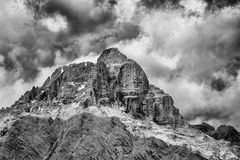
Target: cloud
<point>213,4</point>
<point>155,4</point>
<point>82,16</point>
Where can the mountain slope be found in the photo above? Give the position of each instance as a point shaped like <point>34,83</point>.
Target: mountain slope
<point>84,137</point>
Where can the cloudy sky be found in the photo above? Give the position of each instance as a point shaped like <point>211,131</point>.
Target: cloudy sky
<point>189,48</point>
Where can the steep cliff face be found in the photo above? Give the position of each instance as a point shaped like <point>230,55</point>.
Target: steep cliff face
<point>161,107</point>
<point>130,87</point>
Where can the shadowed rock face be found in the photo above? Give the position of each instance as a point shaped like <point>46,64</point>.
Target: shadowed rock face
<point>160,106</point>
<point>132,80</point>
<point>227,133</point>
<point>112,56</point>
<point>205,128</point>
<point>83,137</point>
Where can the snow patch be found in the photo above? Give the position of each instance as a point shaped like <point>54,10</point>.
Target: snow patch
<point>81,87</point>
<point>62,70</point>
<point>71,83</point>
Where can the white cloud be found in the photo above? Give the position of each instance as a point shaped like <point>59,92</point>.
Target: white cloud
<point>55,24</point>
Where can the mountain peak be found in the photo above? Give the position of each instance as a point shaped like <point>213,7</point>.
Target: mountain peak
<point>112,56</point>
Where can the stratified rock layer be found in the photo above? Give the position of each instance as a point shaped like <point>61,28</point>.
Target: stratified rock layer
<point>83,137</point>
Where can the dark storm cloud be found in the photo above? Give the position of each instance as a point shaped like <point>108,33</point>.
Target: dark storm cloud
<point>31,51</point>
<point>217,4</point>
<point>26,45</point>
<point>92,25</point>
<point>219,84</point>
<point>211,4</point>
<point>154,4</point>
<point>82,16</point>
<point>96,42</point>
<point>124,31</point>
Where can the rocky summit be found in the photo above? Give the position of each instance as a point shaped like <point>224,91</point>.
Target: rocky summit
<point>114,80</point>
<point>107,110</point>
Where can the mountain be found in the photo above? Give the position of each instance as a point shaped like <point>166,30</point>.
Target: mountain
<point>107,110</point>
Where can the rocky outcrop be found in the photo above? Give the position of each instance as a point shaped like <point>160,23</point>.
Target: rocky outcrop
<point>83,137</point>
<point>30,138</point>
<point>100,84</point>
<point>227,133</point>
<point>132,85</point>
<point>155,149</point>
<point>160,106</point>
<point>61,83</point>
<point>205,128</point>
<point>112,56</point>
<point>223,132</point>
<point>132,80</point>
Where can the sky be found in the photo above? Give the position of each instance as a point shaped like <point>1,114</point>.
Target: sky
<point>188,48</point>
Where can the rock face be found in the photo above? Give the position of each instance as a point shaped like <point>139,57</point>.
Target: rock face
<point>205,128</point>
<point>83,137</point>
<point>112,56</point>
<point>227,133</point>
<point>160,106</point>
